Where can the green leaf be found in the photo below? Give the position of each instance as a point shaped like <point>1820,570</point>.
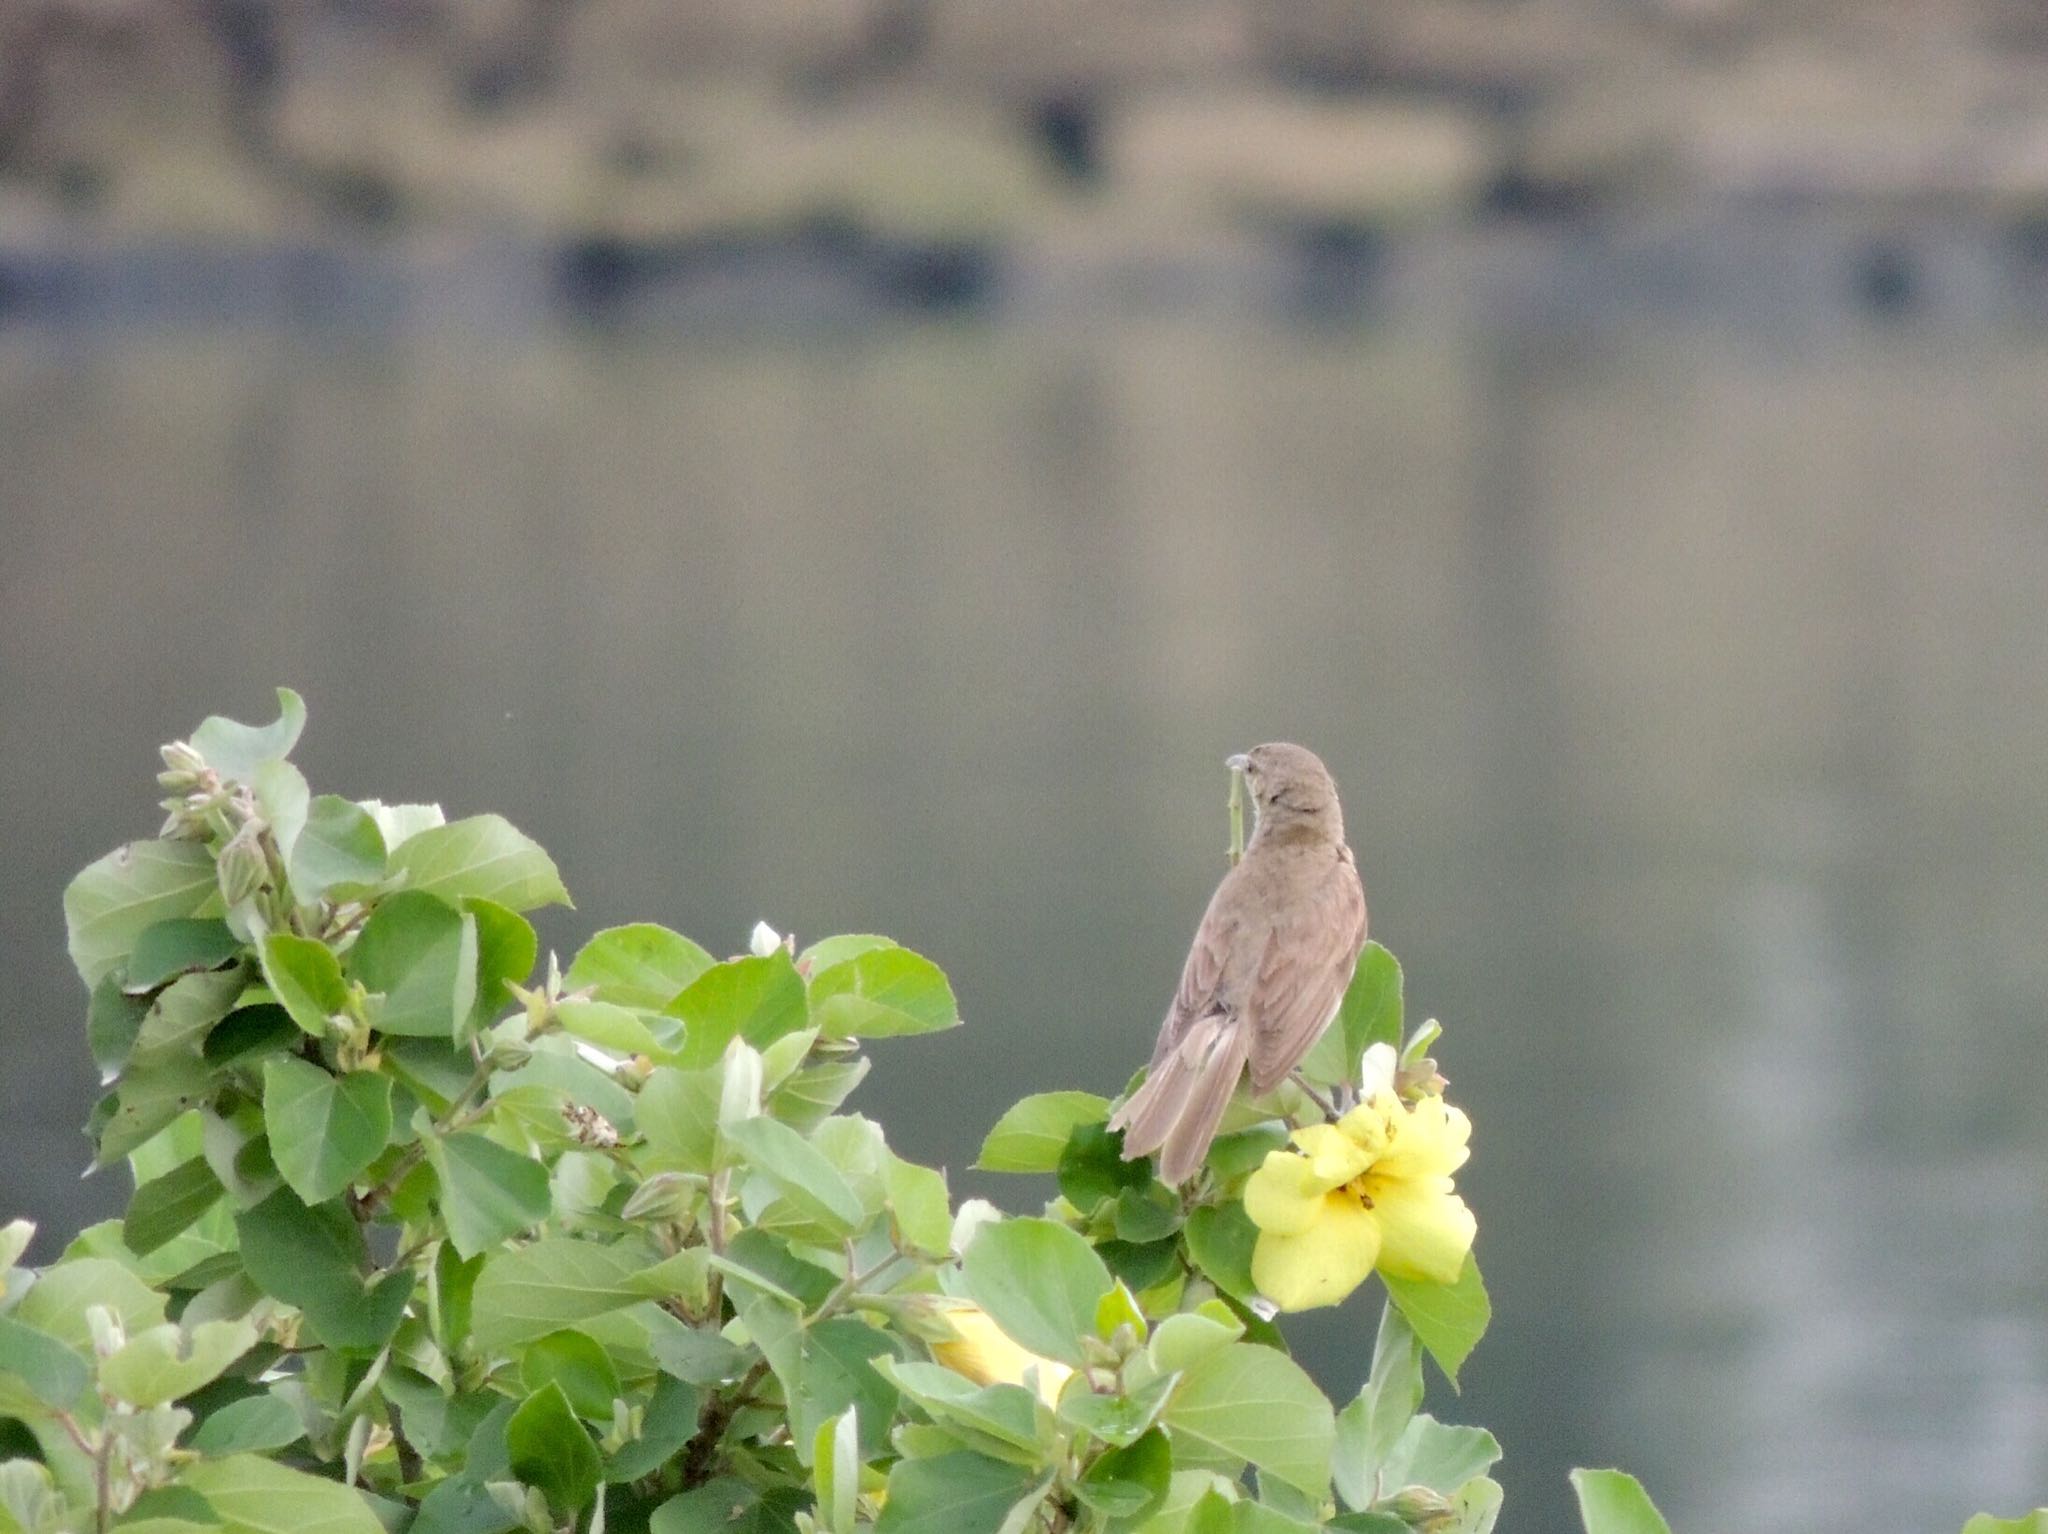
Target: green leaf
<point>551,1450</point>
<point>882,993</point>
<point>165,1206</point>
<point>314,1258</point>
<point>1130,1482</point>
<point>250,1033</point>
<point>800,1172</point>
<point>1371,1013</point>
<point>952,1494</point>
<point>255,1496</point>
<point>2035,1522</point>
<point>483,856</point>
<point>305,977</point>
<point>1614,1502</point>
<point>323,1130</point>
<point>810,1096</point>
<point>758,1000</point>
<point>488,1193</point>
<point>1197,1502</point>
<point>253,1425</point>
<point>1475,1507</point>
<point>165,1362</point>
<point>451,1293</point>
<point>1119,1420</point>
<point>669,1422</point>
<point>506,948</point>
<point>576,1362</point>
<point>420,952</point>
<point>728,1506</point>
<point>176,947</point>
<point>919,1207</point>
<point>1182,1341</point>
<point>1370,1426</point>
<point>700,1357</point>
<point>1439,1455</point>
<point>182,1015</point>
<point>642,965</point>
<point>1092,1169</point>
<point>836,1361</point>
<point>1252,1403</point>
<point>1040,1282</point>
<point>1449,1318</point>
<point>1000,1420</point>
<point>339,844</point>
<point>678,1113</point>
<point>553,1283</point>
<point>1248,1517</point>
<point>1220,1239</point>
<point>113,1018</point>
<point>1239,1154</point>
<point>1032,1135</point>
<point>56,1375</point>
<point>114,901</point>
<point>282,796</point>
<point>235,751</point>
<point>151,1094</point>
<point>835,1471</point>
<point>610,1026</point>
<point>57,1301</point>
<point>828,951</point>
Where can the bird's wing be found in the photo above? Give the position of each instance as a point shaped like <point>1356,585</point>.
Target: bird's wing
<point>1306,964</point>
<point>1202,978</point>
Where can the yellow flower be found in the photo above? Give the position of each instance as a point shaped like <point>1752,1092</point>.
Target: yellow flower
<point>1372,1190</point>
<point>984,1353</point>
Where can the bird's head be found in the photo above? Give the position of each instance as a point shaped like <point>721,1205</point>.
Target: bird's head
<point>1291,790</point>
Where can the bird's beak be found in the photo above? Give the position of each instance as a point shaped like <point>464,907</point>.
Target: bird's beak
<point>1237,763</point>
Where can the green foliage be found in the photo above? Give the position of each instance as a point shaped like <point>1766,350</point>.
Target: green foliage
<point>1614,1502</point>
<point>421,1240</point>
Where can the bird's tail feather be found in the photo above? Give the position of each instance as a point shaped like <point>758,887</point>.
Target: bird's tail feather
<point>1177,1109</point>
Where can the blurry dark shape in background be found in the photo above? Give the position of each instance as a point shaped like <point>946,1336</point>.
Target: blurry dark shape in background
<point>949,154</point>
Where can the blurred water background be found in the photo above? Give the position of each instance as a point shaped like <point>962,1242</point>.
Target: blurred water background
<point>864,465</point>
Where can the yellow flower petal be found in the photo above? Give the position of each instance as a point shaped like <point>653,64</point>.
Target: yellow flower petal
<point>984,1353</point>
<point>1285,1195</point>
<point>1336,1156</point>
<point>1425,1229</point>
<point>1324,1263</point>
<point>1426,1141</point>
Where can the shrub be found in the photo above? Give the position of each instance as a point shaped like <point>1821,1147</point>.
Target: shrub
<point>421,1240</point>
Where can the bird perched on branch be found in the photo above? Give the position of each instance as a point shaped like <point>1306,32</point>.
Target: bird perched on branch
<point>1268,969</point>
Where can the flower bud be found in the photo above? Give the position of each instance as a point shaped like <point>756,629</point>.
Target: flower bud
<point>764,940</point>
<point>1422,1508</point>
<point>182,756</point>
<point>107,1332</point>
<point>510,1055</point>
<point>242,867</point>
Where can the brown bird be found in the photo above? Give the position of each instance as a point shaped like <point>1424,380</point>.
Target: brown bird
<point>1268,968</point>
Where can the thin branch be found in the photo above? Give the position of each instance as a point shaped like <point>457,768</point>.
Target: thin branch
<point>700,1454</point>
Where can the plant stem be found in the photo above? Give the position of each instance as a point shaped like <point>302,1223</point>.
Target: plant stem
<point>1329,1108</point>
<point>700,1454</point>
<point>849,1288</point>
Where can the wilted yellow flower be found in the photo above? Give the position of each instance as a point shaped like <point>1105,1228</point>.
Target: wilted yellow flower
<point>1372,1190</point>
<point>984,1353</point>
